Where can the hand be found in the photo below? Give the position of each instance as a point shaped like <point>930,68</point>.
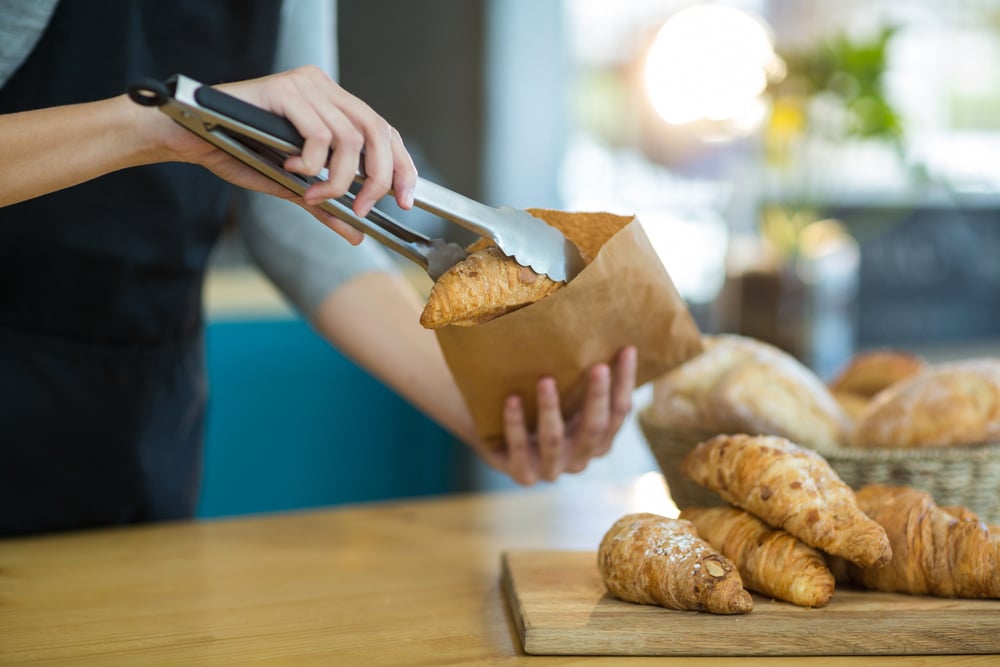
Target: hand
<point>328,117</point>
<point>561,446</point>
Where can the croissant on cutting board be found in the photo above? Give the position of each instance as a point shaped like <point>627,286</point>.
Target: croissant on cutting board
<point>946,553</point>
<point>769,560</point>
<point>488,283</point>
<point>651,559</point>
<point>792,488</point>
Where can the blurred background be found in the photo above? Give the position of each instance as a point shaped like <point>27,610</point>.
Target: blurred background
<point>818,175</point>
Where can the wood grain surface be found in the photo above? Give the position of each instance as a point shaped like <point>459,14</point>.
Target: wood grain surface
<point>414,583</point>
<point>561,607</point>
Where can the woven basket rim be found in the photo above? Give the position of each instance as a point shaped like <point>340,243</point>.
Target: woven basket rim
<point>985,452</point>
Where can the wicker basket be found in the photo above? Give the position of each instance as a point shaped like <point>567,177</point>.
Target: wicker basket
<point>959,475</point>
<point>669,446</point>
<point>967,475</point>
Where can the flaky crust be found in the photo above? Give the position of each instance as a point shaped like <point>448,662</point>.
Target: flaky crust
<point>934,551</point>
<point>651,559</point>
<point>488,283</point>
<point>742,385</point>
<point>792,488</point>
<point>483,286</point>
<point>951,404</point>
<point>770,561</point>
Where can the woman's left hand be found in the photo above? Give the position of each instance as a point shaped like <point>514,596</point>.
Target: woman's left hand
<point>566,446</point>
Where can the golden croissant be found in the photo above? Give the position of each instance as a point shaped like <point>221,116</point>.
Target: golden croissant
<point>651,559</point>
<point>946,553</point>
<point>792,488</point>
<point>770,561</point>
<point>488,283</point>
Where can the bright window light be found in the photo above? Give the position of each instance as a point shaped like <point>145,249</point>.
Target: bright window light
<point>710,62</point>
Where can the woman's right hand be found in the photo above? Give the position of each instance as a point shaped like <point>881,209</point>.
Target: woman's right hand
<point>340,132</point>
<point>50,149</point>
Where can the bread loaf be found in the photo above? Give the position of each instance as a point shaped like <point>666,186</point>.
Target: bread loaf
<point>742,385</point>
<point>868,373</point>
<point>950,404</point>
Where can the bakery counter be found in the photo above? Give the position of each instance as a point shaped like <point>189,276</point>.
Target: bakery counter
<point>394,583</point>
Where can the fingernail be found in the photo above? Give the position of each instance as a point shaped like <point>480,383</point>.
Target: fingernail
<point>408,198</point>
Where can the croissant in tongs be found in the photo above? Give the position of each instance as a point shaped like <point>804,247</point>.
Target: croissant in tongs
<point>488,283</point>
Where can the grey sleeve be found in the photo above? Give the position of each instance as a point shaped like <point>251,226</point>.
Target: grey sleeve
<point>302,257</point>
<point>21,25</point>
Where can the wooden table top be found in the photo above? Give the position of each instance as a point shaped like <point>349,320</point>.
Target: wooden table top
<point>400,583</point>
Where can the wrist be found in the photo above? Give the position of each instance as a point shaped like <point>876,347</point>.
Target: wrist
<point>150,136</point>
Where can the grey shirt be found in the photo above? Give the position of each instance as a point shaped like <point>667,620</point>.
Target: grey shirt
<point>299,254</point>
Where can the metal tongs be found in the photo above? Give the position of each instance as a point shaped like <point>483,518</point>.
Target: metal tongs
<point>263,140</point>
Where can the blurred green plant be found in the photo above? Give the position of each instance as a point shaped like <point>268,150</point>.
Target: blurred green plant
<point>851,72</point>
<point>833,92</point>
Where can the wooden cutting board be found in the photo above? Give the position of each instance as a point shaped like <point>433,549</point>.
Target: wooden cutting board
<point>561,607</point>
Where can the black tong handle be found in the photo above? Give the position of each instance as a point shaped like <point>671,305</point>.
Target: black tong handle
<point>152,93</point>
<point>248,114</point>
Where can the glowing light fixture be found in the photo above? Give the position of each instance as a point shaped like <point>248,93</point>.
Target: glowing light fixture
<point>711,62</point>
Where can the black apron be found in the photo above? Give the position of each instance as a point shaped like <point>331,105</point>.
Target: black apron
<point>102,378</point>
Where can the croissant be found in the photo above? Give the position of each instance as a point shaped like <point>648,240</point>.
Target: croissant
<point>481,287</point>
<point>769,560</point>
<point>488,283</point>
<point>934,551</point>
<point>789,487</point>
<point>651,559</point>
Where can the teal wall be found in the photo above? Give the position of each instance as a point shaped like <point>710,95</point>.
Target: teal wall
<point>293,424</point>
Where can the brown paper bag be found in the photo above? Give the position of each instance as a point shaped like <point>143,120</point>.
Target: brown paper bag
<point>625,296</point>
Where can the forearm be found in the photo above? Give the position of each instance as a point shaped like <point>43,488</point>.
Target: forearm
<point>374,319</point>
<point>50,149</point>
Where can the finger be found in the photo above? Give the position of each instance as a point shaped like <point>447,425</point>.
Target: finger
<point>329,114</point>
<point>318,136</point>
<point>379,167</point>
<point>352,235</point>
<point>592,434</point>
<point>342,166</point>
<point>622,386</point>
<point>404,177</point>
<point>519,464</point>
<point>551,430</point>
<point>381,152</point>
